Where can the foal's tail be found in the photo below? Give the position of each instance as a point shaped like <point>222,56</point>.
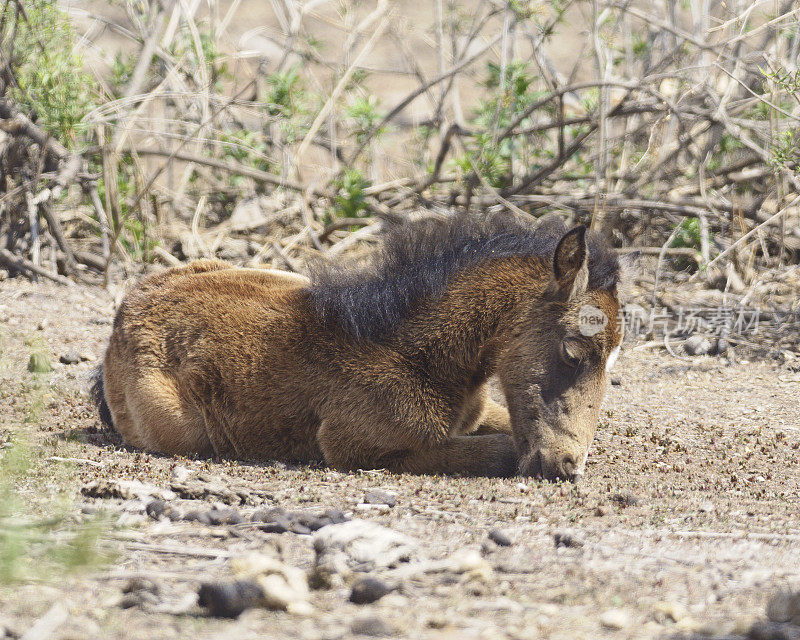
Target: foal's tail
<point>98,395</point>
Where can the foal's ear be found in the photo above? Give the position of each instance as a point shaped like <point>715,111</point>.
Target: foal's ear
<point>570,263</point>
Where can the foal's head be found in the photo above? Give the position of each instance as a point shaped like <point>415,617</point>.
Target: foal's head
<point>555,368</point>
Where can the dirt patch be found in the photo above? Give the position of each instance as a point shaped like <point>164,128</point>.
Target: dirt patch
<point>686,521</point>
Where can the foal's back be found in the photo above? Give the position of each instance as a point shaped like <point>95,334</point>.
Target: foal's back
<point>200,359</point>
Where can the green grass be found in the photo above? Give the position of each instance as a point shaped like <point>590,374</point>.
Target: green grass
<point>40,537</point>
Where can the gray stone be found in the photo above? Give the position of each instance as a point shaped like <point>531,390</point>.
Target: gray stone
<point>372,626</point>
<point>697,345</point>
<point>359,545</point>
<point>369,589</point>
<point>70,357</point>
<point>500,537</point>
<point>378,496</point>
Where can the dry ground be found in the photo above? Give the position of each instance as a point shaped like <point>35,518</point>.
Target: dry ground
<point>688,515</point>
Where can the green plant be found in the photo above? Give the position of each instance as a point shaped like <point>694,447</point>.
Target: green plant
<point>785,150</point>
<point>38,539</point>
<point>121,71</point>
<point>47,67</point>
<point>350,200</point>
<point>363,114</point>
<point>283,93</point>
<point>509,95</point>
<point>688,235</point>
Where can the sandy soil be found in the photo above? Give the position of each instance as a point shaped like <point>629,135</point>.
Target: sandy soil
<point>686,522</point>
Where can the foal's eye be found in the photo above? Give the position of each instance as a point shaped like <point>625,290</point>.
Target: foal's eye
<point>570,354</point>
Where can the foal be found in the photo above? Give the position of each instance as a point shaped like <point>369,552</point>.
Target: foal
<point>380,365</point>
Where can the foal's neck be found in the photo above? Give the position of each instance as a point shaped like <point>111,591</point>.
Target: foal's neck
<point>462,333</point>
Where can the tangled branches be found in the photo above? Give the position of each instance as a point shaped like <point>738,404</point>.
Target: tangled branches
<point>674,126</point>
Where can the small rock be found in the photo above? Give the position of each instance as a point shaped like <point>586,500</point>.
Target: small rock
<point>372,626</point>
<point>673,611</point>
<point>280,524</point>
<point>378,496</point>
<point>487,547</point>
<point>265,514</point>
<point>205,490</point>
<point>500,537</point>
<point>224,516</point>
<point>784,606</point>
<point>566,539</point>
<point>601,510</point>
<point>299,528</point>
<point>70,357</point>
<point>615,619</point>
<point>697,345</point>
<point>284,587</point>
<point>158,508</point>
<point>362,545</point>
<point>626,499</point>
<point>373,508</point>
<point>229,599</point>
<point>368,589</point>
<point>141,584</point>
<point>327,517</point>
<point>195,515</point>
<point>181,474</point>
<point>722,346</point>
<point>140,591</point>
<point>616,381</point>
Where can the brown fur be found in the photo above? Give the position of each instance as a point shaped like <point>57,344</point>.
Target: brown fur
<point>208,359</point>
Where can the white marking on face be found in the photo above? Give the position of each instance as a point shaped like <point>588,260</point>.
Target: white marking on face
<point>612,358</point>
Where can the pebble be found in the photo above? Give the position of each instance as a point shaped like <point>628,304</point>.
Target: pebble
<point>372,626</point>
<point>368,589</point>
<point>500,537</point>
<point>361,545</point>
<point>669,610</point>
<point>229,599</point>
<point>158,508</point>
<point>566,539</point>
<point>616,381</point>
<point>697,345</point>
<point>380,509</point>
<point>70,357</point>
<point>140,591</point>
<point>615,619</point>
<point>378,496</point>
<point>181,474</point>
<point>223,516</point>
<point>283,586</point>
<point>626,499</point>
<point>278,520</point>
<point>488,547</point>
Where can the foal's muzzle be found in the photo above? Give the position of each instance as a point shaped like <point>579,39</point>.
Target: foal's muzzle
<point>538,464</point>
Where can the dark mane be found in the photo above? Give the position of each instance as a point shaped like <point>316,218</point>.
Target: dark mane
<point>417,260</point>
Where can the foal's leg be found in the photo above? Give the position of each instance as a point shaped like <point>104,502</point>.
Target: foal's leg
<point>484,416</point>
<point>473,455</point>
<point>495,419</point>
<point>350,447</point>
